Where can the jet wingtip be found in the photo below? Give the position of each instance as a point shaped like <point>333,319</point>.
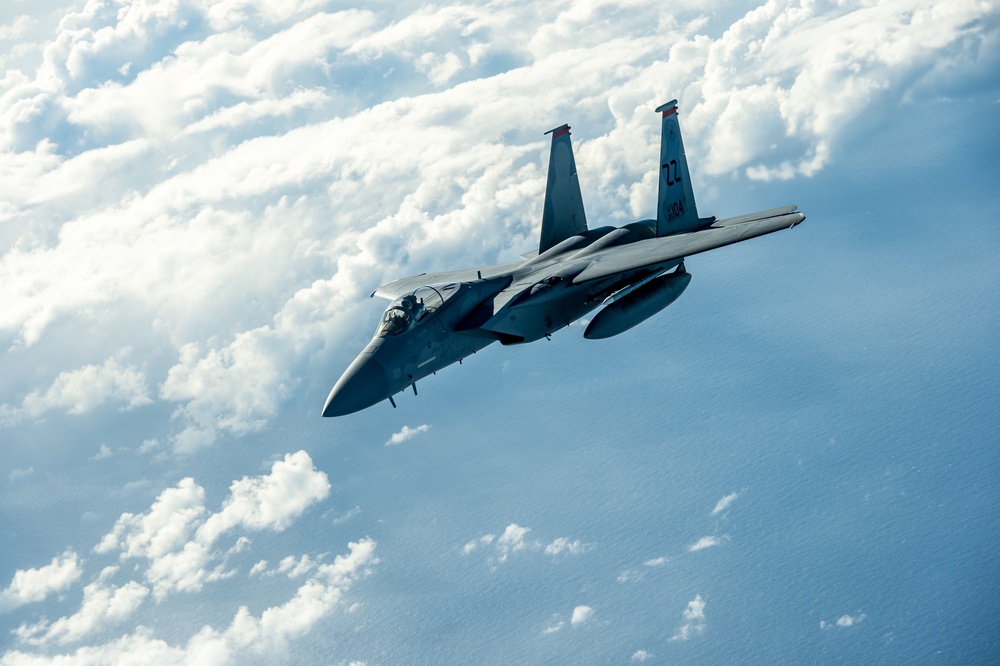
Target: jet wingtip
<point>667,108</point>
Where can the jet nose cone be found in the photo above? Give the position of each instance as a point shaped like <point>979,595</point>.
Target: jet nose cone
<point>364,383</point>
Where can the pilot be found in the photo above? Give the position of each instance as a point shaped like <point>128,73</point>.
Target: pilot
<point>409,303</point>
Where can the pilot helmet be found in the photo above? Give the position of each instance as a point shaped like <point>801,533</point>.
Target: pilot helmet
<point>409,303</point>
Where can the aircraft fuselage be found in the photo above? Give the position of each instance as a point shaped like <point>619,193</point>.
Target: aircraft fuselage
<point>539,296</point>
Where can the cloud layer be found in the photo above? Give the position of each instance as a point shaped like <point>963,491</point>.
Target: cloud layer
<point>227,179</point>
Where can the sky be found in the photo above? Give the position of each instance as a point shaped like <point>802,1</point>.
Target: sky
<point>794,463</point>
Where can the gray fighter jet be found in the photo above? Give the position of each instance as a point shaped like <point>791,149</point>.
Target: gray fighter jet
<point>436,319</point>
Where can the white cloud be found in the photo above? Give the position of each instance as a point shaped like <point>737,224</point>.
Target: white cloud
<point>104,452</point>
<point>706,542</point>
<point>295,568</point>
<point>79,391</point>
<point>164,528</point>
<point>31,585</point>
<point>556,626</point>
<point>407,433</point>
<point>246,112</point>
<point>630,576</point>
<point>843,622</point>
<point>247,637</point>
<point>313,600</point>
<point>849,620</point>
<point>19,473</point>
<point>694,620</point>
<point>724,503</point>
<point>270,501</point>
<point>514,539</point>
<point>102,607</point>
<point>634,575</point>
<point>241,545</point>
<point>642,655</point>
<point>790,72</point>
<point>178,542</point>
<point>564,545</point>
<point>149,445</point>
<point>177,535</point>
<point>484,540</point>
<point>581,615</point>
<point>15,29</point>
<point>347,516</point>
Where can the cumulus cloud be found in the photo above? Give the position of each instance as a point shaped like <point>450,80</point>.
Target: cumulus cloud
<point>484,540</point>
<point>295,567</point>
<point>31,585</point>
<point>724,503</point>
<point>581,615</point>
<point>843,622</point>
<point>81,390</point>
<point>635,574</point>
<point>20,473</point>
<point>642,655</point>
<point>514,539</point>
<point>850,620</point>
<point>562,545</point>
<point>406,434</point>
<point>630,576</point>
<point>694,620</point>
<point>103,606</point>
<point>347,516</point>
<point>248,636</point>
<point>177,535</point>
<point>556,626</point>
<point>149,445</point>
<point>15,29</point>
<point>176,546</point>
<point>706,542</point>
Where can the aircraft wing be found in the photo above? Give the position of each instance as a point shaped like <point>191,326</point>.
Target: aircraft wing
<point>620,259</point>
<point>396,288</point>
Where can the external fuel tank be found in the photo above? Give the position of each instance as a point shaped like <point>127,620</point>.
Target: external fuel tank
<point>638,305</point>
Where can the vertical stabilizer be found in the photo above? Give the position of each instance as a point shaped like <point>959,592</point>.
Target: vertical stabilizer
<point>562,214</point>
<point>675,208</point>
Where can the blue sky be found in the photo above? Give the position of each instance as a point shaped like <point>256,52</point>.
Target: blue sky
<point>794,463</point>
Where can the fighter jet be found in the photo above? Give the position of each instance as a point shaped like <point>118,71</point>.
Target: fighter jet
<point>631,273</point>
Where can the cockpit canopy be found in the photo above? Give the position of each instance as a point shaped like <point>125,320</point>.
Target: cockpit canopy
<point>410,309</point>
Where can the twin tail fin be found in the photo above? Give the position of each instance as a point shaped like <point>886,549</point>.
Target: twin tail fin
<point>676,211</point>
<point>562,213</point>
